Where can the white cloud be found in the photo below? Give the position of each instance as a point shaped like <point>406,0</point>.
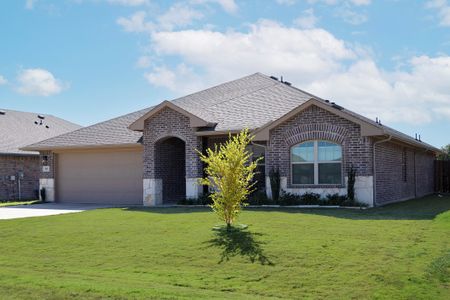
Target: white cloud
<point>129,2</point>
<point>3,80</point>
<point>178,15</point>
<point>229,6</point>
<point>267,45</point>
<point>29,4</point>
<point>361,2</point>
<point>336,2</point>
<point>307,19</point>
<point>286,2</point>
<point>312,59</point>
<point>170,78</point>
<point>38,82</point>
<point>443,10</point>
<point>351,16</point>
<point>136,22</point>
<point>143,62</point>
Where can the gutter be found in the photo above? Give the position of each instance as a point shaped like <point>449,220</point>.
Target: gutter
<point>374,169</point>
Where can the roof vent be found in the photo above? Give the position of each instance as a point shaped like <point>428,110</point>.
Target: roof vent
<point>46,126</point>
<point>274,78</point>
<point>36,122</point>
<point>327,101</point>
<point>2,112</point>
<point>41,117</point>
<point>336,106</point>
<point>287,83</point>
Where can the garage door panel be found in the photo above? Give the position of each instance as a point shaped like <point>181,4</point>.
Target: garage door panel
<point>100,177</point>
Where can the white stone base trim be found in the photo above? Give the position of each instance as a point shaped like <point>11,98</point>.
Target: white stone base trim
<point>49,185</point>
<point>363,189</point>
<point>193,188</point>
<point>152,192</point>
<point>268,188</point>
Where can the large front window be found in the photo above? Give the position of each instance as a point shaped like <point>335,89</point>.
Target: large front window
<point>316,162</point>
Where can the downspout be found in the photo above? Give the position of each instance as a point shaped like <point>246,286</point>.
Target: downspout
<point>374,169</point>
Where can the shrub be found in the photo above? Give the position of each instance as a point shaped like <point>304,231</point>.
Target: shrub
<point>335,199</point>
<point>287,199</point>
<point>310,199</point>
<point>259,198</point>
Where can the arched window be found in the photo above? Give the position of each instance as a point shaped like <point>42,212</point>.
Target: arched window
<point>316,162</point>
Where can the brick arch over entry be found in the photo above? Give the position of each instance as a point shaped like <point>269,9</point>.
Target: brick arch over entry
<point>307,132</point>
<point>165,124</point>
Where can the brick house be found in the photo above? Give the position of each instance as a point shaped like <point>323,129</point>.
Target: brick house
<point>19,169</point>
<point>148,157</point>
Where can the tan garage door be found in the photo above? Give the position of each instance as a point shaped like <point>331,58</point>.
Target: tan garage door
<point>107,177</point>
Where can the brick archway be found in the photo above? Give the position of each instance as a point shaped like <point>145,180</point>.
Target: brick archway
<point>170,167</point>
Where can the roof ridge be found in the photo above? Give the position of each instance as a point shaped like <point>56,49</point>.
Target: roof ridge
<point>215,86</point>
<point>246,94</point>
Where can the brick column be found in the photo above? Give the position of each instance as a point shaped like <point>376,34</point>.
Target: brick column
<point>47,175</point>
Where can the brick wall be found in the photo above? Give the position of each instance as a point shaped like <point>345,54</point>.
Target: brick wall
<point>11,165</point>
<point>402,173</point>
<point>169,123</point>
<point>424,173</point>
<point>315,123</point>
<point>50,162</point>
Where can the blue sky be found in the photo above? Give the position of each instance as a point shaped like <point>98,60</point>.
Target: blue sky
<point>91,60</point>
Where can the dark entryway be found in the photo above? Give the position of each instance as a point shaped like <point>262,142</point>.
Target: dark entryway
<point>170,166</point>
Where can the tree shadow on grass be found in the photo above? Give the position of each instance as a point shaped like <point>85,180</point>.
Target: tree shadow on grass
<point>239,242</point>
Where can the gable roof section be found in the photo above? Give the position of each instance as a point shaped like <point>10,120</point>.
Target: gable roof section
<point>195,121</point>
<point>18,129</point>
<point>367,128</point>
<point>256,102</point>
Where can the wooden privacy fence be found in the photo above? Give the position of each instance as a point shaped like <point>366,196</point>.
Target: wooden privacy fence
<point>442,176</point>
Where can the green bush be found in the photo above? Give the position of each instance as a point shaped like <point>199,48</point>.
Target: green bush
<point>203,199</point>
<point>310,199</point>
<point>287,199</point>
<point>335,199</point>
<point>259,198</point>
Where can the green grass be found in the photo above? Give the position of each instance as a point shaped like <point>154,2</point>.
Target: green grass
<point>12,203</point>
<point>401,251</point>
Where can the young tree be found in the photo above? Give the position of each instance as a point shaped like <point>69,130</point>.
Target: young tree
<point>446,153</point>
<point>230,172</point>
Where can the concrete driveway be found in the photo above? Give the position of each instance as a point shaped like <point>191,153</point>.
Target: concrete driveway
<point>45,209</point>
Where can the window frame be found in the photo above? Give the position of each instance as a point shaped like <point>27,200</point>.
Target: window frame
<point>316,163</point>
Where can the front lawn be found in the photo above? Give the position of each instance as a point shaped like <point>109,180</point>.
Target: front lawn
<point>401,251</point>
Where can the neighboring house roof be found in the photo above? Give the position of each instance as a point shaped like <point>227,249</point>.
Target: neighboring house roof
<point>255,102</point>
<point>111,132</point>
<point>18,129</point>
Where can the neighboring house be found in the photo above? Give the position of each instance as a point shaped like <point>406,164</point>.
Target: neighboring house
<point>19,169</point>
<point>149,157</point>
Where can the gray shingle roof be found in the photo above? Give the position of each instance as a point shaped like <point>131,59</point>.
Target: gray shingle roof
<point>248,102</point>
<point>18,129</point>
<point>111,132</point>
